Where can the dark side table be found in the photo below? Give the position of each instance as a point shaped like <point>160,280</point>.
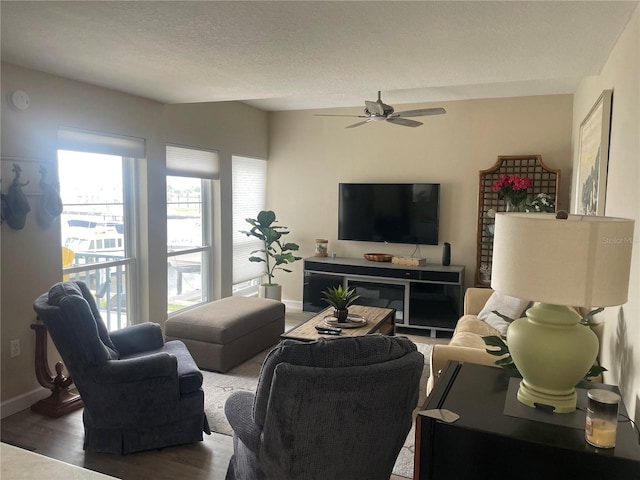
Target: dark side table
<point>487,443</point>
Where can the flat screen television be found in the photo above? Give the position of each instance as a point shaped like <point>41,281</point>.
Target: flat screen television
<point>389,212</point>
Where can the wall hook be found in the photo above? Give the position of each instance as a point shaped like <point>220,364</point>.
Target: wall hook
<point>15,205</point>
<point>50,205</point>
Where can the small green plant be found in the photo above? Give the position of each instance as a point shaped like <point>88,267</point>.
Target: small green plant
<point>542,202</point>
<point>497,346</point>
<point>340,298</point>
<point>275,251</point>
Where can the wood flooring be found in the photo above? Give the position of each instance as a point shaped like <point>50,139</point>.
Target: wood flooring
<point>62,439</point>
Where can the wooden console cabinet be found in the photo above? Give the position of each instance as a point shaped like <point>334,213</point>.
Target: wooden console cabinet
<point>425,297</point>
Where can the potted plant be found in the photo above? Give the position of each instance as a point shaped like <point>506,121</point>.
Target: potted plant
<point>275,252</point>
<point>340,299</point>
<point>513,190</point>
<point>542,202</point>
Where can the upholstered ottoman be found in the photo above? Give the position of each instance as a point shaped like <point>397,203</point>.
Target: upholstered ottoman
<point>226,332</point>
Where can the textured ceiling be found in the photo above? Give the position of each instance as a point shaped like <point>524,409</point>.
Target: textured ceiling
<point>300,55</point>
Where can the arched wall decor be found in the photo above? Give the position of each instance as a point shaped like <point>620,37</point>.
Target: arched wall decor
<point>544,180</point>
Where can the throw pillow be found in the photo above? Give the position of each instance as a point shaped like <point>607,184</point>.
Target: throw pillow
<point>511,307</point>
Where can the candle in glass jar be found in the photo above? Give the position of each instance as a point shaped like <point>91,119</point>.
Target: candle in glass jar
<point>602,418</point>
<point>601,433</point>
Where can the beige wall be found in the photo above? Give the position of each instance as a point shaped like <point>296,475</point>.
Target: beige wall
<point>621,341</point>
<point>310,155</point>
<point>31,258</point>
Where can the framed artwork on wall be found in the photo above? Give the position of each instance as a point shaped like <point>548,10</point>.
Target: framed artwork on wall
<point>593,158</point>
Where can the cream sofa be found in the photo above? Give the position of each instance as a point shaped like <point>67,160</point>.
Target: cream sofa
<point>466,344</point>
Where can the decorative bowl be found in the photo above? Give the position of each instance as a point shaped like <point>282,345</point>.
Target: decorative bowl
<point>378,257</point>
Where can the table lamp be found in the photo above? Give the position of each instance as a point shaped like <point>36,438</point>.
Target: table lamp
<point>558,261</point>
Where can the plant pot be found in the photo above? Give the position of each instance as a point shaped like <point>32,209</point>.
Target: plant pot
<point>272,291</point>
<point>341,315</point>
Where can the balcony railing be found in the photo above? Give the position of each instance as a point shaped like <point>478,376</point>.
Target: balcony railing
<point>105,275</point>
<point>186,277</point>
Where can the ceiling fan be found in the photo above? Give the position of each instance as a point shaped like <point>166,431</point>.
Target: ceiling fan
<point>381,112</point>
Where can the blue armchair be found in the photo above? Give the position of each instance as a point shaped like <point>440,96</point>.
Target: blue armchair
<point>330,409</point>
<point>139,392</point>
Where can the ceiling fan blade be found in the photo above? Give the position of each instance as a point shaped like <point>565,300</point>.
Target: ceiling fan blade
<point>421,112</point>
<point>328,115</point>
<point>358,124</point>
<point>405,122</point>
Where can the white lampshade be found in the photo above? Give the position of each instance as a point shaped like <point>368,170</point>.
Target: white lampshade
<point>580,261</point>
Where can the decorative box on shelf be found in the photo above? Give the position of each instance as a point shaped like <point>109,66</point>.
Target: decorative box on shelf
<point>410,261</point>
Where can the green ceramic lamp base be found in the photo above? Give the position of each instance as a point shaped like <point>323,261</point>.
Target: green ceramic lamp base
<point>553,352</point>
<point>534,398</point>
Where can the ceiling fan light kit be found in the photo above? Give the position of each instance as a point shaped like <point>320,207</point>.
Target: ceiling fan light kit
<point>381,112</point>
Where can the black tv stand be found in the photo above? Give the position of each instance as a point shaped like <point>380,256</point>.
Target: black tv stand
<point>425,297</point>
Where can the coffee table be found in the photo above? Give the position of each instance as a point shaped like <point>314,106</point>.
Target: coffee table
<point>379,320</point>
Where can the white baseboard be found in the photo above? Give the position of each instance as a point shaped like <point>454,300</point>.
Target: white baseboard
<point>293,304</point>
<point>22,402</point>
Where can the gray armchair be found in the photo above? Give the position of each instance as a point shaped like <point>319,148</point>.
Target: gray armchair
<point>331,409</point>
<point>139,392</point>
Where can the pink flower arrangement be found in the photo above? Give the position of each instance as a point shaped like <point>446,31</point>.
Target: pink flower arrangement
<point>512,187</point>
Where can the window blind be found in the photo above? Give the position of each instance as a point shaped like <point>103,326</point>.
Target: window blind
<point>192,162</point>
<point>79,140</point>
<point>249,198</point>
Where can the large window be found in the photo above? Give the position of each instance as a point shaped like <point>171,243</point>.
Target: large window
<point>249,198</point>
<point>95,229</point>
<point>96,171</point>
<point>188,245</point>
<point>189,226</point>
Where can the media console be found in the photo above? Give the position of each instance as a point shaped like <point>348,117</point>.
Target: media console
<point>425,297</point>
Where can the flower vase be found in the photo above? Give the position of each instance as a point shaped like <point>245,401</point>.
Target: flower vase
<point>510,206</point>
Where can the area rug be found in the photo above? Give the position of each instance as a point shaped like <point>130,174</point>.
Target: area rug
<point>218,386</point>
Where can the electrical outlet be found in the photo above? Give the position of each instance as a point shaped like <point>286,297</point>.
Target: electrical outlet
<point>15,348</point>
